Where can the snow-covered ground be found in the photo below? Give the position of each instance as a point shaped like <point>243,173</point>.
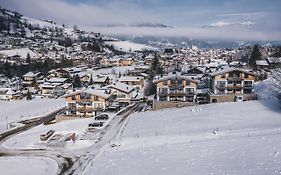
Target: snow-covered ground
<point>22,52</point>
<point>27,165</point>
<point>14,111</point>
<point>128,46</point>
<point>225,138</point>
<point>31,139</point>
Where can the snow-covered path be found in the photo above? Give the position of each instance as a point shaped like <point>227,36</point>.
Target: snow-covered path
<point>110,133</point>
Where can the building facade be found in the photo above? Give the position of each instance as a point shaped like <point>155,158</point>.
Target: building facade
<point>176,88</point>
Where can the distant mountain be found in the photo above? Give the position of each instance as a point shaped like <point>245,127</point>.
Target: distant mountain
<point>151,25</point>
<point>164,42</point>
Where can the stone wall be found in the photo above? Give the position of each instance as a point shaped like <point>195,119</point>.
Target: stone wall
<point>171,104</point>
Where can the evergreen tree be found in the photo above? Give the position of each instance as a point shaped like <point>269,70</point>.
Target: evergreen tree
<point>255,55</point>
<point>277,52</point>
<point>155,69</point>
<point>28,59</point>
<point>28,96</point>
<point>91,80</point>
<point>76,81</point>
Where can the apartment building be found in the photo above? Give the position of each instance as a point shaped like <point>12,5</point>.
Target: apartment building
<point>87,103</point>
<point>176,87</point>
<point>231,84</point>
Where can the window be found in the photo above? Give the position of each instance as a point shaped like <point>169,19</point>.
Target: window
<point>179,82</point>
<point>223,75</point>
<point>165,82</point>
<point>189,90</point>
<point>187,83</point>
<point>246,75</point>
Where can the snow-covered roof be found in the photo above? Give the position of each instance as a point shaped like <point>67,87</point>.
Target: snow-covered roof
<point>57,80</point>
<point>90,91</point>
<point>261,63</point>
<point>130,78</point>
<point>231,69</point>
<point>29,74</point>
<point>121,87</point>
<point>100,80</point>
<point>176,76</point>
<point>7,91</point>
<point>273,60</point>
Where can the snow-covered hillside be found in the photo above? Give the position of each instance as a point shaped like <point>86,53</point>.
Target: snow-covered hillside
<point>14,111</point>
<point>226,138</point>
<point>22,52</point>
<point>128,46</point>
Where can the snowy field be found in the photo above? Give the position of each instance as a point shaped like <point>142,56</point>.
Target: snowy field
<point>15,111</point>
<point>128,46</point>
<point>226,138</point>
<point>42,166</point>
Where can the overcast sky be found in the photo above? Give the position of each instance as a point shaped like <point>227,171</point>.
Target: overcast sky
<point>202,19</point>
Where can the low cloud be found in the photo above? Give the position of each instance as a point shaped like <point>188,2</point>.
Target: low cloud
<point>225,26</point>
<point>232,33</point>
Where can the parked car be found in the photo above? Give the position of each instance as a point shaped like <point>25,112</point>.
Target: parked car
<point>102,117</point>
<point>96,124</point>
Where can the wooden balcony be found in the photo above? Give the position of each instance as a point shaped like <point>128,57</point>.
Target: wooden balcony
<point>85,100</point>
<point>234,78</point>
<point>85,109</point>
<point>176,93</point>
<point>232,86</point>
<point>220,86</point>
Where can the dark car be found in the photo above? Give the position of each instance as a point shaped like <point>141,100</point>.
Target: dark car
<point>102,117</point>
<point>96,124</point>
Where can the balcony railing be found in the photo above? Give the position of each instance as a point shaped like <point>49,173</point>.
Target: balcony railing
<point>176,93</point>
<point>220,86</point>
<point>246,86</point>
<point>85,109</point>
<point>85,100</point>
<point>234,78</point>
<point>234,86</point>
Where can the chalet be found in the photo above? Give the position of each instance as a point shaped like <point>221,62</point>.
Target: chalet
<point>87,103</point>
<point>231,84</point>
<point>274,62</point>
<point>85,77</point>
<point>126,61</point>
<point>10,94</point>
<point>137,82</point>
<point>176,87</point>
<point>262,64</point>
<point>122,92</point>
<point>31,78</point>
<point>59,73</point>
<point>101,80</point>
<point>55,87</point>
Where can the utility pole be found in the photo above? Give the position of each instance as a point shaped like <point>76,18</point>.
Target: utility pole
<point>7,122</point>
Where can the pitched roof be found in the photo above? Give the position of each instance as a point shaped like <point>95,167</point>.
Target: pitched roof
<point>90,91</point>
<point>121,87</point>
<point>223,71</point>
<point>175,77</point>
<point>129,78</point>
